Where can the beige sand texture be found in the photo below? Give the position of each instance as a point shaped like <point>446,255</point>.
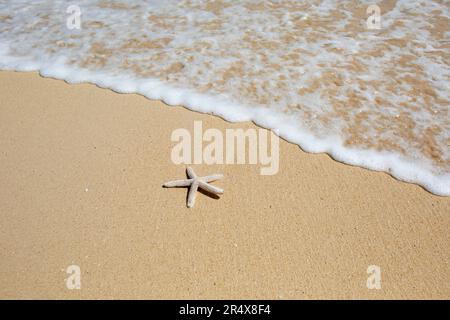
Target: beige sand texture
<point>81,170</point>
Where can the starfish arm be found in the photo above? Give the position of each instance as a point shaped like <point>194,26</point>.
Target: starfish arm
<point>190,172</point>
<point>210,188</point>
<point>211,178</point>
<point>178,183</point>
<point>192,193</point>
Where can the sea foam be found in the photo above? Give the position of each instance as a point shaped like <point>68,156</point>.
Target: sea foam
<point>313,70</point>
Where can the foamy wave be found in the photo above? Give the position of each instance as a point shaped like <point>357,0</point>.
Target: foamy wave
<point>373,98</point>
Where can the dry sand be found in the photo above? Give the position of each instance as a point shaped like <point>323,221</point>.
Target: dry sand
<point>81,170</point>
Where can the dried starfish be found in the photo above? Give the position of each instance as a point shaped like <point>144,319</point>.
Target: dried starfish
<point>195,182</point>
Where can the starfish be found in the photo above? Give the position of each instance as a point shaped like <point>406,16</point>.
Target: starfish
<point>195,182</point>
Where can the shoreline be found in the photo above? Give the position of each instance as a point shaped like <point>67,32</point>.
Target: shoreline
<point>393,164</point>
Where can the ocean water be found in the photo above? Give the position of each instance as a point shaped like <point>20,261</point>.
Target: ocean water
<point>314,70</point>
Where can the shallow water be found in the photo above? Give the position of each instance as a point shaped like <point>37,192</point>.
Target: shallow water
<point>377,98</point>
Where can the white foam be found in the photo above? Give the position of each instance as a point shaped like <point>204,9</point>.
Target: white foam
<point>213,52</point>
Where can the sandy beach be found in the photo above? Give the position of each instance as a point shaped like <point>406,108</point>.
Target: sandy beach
<point>81,170</point>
